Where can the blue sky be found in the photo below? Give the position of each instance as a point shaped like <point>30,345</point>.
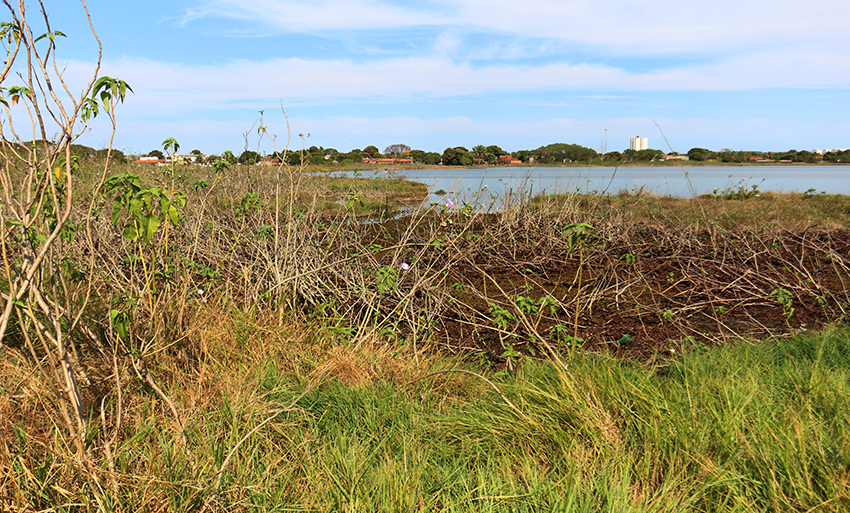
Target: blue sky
<point>746,75</point>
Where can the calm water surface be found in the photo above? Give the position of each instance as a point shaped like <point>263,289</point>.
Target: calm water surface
<point>483,185</point>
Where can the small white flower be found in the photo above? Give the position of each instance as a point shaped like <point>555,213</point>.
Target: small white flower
<point>405,266</point>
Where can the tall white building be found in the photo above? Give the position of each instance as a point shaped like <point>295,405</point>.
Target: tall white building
<point>639,143</point>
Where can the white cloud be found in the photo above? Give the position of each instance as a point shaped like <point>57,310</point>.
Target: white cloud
<point>316,16</point>
<point>165,87</point>
<point>620,27</point>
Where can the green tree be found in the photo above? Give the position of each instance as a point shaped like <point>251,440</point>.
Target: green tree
<point>449,157</point>
<point>613,156</point>
<point>229,157</point>
<point>249,157</point>
<point>732,156</point>
<point>293,158</point>
<point>495,150</point>
<point>562,152</point>
<point>806,156</point>
<point>698,154</point>
<point>156,153</point>
<point>837,156</point>
<point>371,152</point>
<point>114,155</point>
<point>418,156</point>
<point>457,156</point>
<point>355,155</point>
<point>646,155</point>
<point>649,154</point>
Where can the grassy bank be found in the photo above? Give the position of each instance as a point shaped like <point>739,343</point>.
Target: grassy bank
<point>320,190</point>
<point>283,418</point>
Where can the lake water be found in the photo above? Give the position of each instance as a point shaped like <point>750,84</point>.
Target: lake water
<point>483,185</point>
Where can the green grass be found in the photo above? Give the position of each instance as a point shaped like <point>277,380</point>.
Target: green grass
<point>750,427</point>
<point>767,211</point>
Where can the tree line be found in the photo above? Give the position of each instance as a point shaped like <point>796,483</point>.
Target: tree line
<point>557,153</point>
<point>803,156</point>
<point>452,156</point>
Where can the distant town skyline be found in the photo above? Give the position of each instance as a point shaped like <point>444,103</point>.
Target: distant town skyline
<point>351,73</point>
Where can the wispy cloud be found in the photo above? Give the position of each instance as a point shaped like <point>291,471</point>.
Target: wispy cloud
<point>623,27</point>
<point>162,85</point>
<point>316,16</point>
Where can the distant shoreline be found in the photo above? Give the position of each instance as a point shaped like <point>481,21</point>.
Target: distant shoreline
<point>677,163</point>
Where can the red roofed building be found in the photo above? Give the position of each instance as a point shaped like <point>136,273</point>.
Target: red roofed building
<point>507,159</point>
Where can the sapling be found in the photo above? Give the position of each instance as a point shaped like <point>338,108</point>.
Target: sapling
<point>37,185</point>
<point>578,235</point>
<point>783,297</point>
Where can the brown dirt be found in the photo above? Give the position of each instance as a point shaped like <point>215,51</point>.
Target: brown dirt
<point>670,290</point>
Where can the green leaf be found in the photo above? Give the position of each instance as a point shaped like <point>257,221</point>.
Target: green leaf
<point>180,197</point>
<point>173,216</point>
<point>110,88</point>
<point>120,322</point>
<point>164,204</point>
<point>131,233</point>
<point>150,224</point>
<point>105,97</point>
<point>117,208</point>
<point>170,145</point>
<point>136,206</point>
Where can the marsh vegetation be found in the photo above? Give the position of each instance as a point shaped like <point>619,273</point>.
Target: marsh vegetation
<point>237,339</point>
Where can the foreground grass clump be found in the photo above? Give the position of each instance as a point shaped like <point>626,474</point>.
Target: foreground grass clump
<point>749,427</point>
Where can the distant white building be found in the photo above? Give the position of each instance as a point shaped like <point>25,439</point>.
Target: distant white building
<point>639,143</point>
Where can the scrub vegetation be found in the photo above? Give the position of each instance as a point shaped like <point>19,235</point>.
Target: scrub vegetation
<point>236,338</point>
